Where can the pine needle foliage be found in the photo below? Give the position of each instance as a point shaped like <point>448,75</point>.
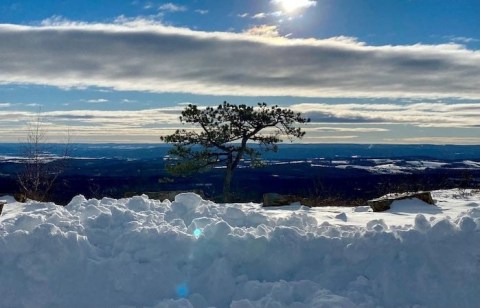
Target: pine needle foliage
<point>224,135</point>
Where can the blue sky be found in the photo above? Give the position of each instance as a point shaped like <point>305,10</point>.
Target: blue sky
<point>364,71</point>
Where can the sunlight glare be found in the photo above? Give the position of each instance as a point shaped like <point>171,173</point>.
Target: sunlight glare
<point>291,6</point>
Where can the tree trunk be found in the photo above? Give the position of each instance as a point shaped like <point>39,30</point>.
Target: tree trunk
<point>232,163</point>
<point>227,183</point>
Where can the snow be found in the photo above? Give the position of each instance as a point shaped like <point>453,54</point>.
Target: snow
<point>471,163</point>
<point>424,164</point>
<point>389,166</point>
<point>139,252</point>
<point>380,169</point>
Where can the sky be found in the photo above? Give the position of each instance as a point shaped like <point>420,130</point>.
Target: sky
<point>363,71</point>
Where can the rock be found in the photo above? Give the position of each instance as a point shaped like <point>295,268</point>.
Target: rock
<point>274,199</point>
<point>2,203</point>
<point>19,197</point>
<point>383,203</point>
<point>380,205</point>
<point>341,216</point>
<point>162,195</point>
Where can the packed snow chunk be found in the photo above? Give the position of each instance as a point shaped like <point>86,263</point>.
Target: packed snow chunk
<point>235,216</point>
<point>441,229</point>
<point>324,299</point>
<point>301,294</point>
<point>77,202</point>
<point>8,199</point>
<point>474,213</point>
<point>218,230</point>
<point>421,223</point>
<point>299,220</point>
<point>189,200</point>
<point>377,225</point>
<point>172,303</point>
<point>188,206</point>
<point>138,203</point>
<point>198,225</point>
<point>359,209</point>
<point>467,224</point>
<point>29,222</point>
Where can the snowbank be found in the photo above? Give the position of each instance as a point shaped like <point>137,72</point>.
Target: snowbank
<point>139,252</point>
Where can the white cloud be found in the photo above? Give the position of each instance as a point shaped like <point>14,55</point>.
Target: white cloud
<point>142,55</point>
<point>171,7</point>
<point>378,123</point>
<point>459,115</point>
<point>202,12</point>
<point>330,139</point>
<point>126,100</point>
<point>148,5</point>
<point>263,30</point>
<point>34,105</point>
<point>347,129</point>
<point>91,125</point>
<point>259,16</point>
<point>97,101</point>
<point>57,20</point>
<point>263,15</point>
<point>436,140</point>
<point>462,39</point>
<point>243,15</point>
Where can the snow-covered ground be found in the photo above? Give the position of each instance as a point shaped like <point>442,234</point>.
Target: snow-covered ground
<point>194,253</point>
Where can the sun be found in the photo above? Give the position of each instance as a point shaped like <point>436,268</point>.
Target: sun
<point>291,6</point>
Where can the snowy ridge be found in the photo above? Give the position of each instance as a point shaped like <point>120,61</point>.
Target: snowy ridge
<point>139,252</point>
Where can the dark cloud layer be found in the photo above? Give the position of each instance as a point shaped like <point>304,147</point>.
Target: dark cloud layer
<point>165,59</point>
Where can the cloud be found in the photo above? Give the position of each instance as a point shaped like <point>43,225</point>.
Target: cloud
<point>437,140</point>
<point>34,105</point>
<point>329,139</point>
<point>148,5</point>
<point>263,15</point>
<point>91,125</point>
<point>348,129</point>
<point>462,39</point>
<point>259,16</point>
<point>263,30</point>
<point>243,15</point>
<point>172,8</point>
<point>126,100</point>
<point>390,123</point>
<point>5,105</point>
<point>201,12</point>
<point>142,55</point>
<point>97,101</point>
<point>458,115</point>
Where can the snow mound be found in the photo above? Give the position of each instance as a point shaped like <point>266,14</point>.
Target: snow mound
<point>139,252</point>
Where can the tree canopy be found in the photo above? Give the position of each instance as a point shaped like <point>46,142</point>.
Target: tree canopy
<point>222,134</point>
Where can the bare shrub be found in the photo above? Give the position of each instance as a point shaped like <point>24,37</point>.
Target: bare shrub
<point>41,168</point>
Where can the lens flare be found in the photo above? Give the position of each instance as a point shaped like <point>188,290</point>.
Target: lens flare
<point>197,232</point>
<point>182,290</point>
